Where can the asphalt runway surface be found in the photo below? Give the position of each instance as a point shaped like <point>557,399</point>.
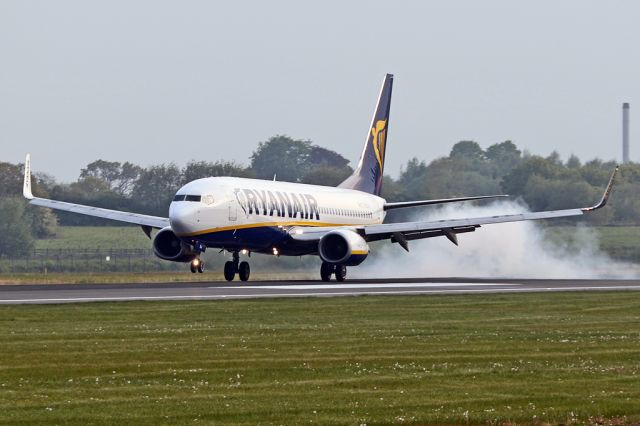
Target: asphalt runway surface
<point>77,293</point>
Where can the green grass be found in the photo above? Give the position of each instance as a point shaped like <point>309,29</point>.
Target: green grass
<point>96,237</point>
<point>569,358</point>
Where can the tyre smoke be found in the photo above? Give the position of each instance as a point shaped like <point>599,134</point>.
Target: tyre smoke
<point>507,250</point>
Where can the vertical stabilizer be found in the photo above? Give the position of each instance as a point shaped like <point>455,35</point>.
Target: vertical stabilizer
<point>368,174</point>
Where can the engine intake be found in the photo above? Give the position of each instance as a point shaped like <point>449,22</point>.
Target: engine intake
<point>343,247</point>
<point>167,246</point>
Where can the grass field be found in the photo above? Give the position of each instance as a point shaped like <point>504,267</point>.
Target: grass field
<point>571,358</point>
<point>96,237</point>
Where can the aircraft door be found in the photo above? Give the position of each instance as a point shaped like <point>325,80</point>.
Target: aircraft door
<point>233,210</point>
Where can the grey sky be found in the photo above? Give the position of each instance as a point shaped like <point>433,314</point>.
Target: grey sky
<point>157,81</point>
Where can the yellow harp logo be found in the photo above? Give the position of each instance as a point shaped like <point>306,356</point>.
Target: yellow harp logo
<point>379,133</point>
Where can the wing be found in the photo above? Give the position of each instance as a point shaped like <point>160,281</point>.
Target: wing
<point>405,231</point>
<point>405,204</point>
<point>143,220</point>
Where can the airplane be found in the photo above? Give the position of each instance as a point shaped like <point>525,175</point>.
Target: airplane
<point>244,216</point>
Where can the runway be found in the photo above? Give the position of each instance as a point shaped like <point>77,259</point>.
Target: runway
<point>78,293</point>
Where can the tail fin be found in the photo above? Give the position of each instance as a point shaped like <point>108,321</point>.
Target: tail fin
<point>368,174</point>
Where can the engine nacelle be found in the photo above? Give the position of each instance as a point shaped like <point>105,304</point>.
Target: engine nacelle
<point>167,246</point>
<point>343,247</point>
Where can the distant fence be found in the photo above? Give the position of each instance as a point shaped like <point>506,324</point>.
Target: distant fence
<point>86,260</point>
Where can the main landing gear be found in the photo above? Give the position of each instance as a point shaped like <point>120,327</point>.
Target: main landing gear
<point>328,269</point>
<point>197,265</point>
<point>235,266</point>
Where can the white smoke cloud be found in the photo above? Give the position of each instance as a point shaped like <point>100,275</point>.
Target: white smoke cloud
<point>508,250</point>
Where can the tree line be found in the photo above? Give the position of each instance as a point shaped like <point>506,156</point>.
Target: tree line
<point>543,183</point>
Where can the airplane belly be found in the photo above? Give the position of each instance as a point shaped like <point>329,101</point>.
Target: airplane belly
<point>262,238</point>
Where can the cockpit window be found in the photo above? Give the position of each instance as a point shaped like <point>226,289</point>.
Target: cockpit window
<point>183,197</point>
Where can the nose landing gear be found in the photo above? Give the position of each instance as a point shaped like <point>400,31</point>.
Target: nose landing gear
<point>196,265</point>
<point>235,266</point>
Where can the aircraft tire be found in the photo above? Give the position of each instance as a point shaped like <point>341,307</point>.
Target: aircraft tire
<point>229,271</point>
<point>192,268</point>
<point>326,270</point>
<point>341,273</point>
<point>244,271</point>
<point>201,267</point>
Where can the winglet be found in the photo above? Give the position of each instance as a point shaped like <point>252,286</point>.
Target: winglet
<point>607,193</point>
<point>26,189</point>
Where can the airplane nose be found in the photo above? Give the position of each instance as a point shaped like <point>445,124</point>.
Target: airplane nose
<point>181,218</point>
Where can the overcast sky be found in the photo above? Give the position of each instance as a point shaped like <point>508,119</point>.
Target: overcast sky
<point>156,81</point>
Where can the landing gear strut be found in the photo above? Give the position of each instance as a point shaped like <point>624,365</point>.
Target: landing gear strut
<point>197,265</point>
<point>235,266</point>
<point>328,269</point>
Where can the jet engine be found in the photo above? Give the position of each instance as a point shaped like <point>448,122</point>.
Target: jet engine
<point>343,247</point>
<point>167,246</point>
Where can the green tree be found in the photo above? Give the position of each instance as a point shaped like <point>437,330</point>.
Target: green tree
<point>156,187</point>
<point>503,157</point>
<point>10,180</point>
<point>294,160</point>
<point>14,228</point>
<point>467,149</point>
<point>42,222</point>
<point>120,177</point>
<point>203,169</point>
<point>413,178</point>
<point>326,175</point>
<point>516,180</point>
<point>281,156</point>
<point>625,201</point>
<point>325,157</point>
<point>573,162</point>
<point>92,191</point>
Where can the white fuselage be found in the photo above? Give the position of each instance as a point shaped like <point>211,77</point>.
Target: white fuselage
<point>229,212</point>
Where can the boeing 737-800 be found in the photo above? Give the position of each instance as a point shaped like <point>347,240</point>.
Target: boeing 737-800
<point>245,216</point>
